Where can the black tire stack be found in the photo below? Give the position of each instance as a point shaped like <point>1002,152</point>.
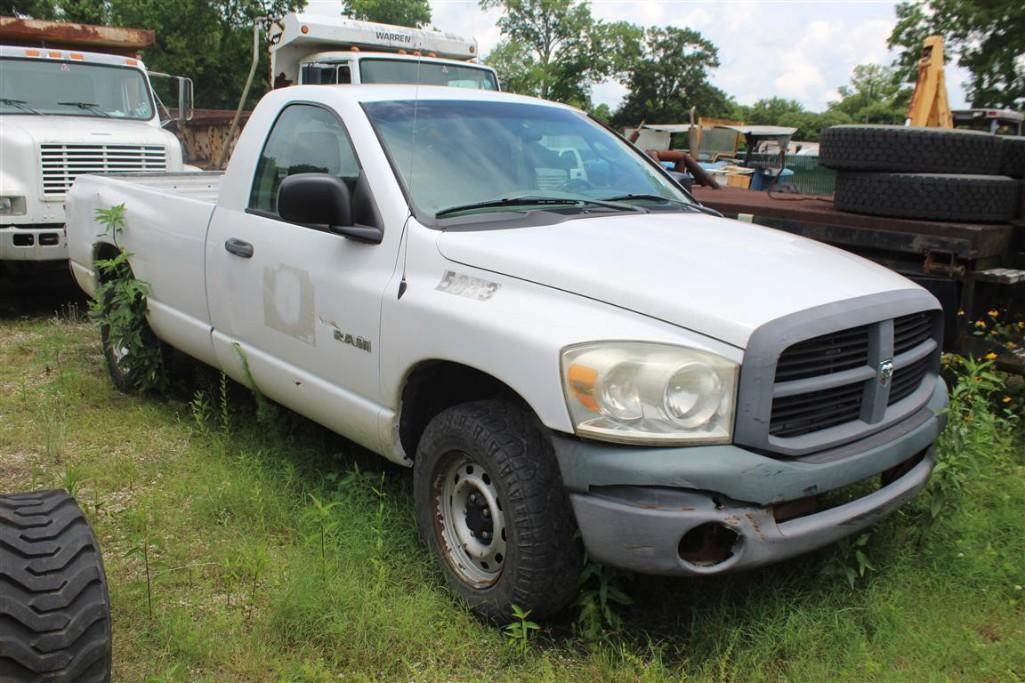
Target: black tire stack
<point>54,608</point>
<point>924,173</point>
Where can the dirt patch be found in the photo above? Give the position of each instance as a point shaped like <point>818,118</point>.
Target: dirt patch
<point>16,471</point>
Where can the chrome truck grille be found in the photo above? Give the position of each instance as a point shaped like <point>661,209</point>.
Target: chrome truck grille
<point>801,395</point>
<point>62,163</point>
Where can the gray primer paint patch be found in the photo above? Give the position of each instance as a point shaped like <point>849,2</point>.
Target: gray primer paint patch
<point>288,303</point>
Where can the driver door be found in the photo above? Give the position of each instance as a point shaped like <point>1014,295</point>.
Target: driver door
<point>296,309</point>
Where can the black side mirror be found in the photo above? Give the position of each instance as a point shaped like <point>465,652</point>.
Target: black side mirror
<point>315,199</point>
<point>322,199</point>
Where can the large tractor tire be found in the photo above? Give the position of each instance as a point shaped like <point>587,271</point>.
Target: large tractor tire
<point>54,608</point>
<point>909,150</point>
<point>1013,161</point>
<point>928,196</point>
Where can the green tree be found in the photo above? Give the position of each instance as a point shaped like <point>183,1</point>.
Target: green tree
<point>562,49</point>
<point>987,37</point>
<point>772,110</point>
<point>33,9</point>
<point>84,11</point>
<point>601,112</point>
<point>517,68</point>
<point>399,12</point>
<point>670,77</point>
<point>874,95</point>
<point>779,111</point>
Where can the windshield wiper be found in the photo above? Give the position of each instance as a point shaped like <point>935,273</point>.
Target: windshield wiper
<point>20,104</point>
<point>533,201</point>
<point>88,106</point>
<point>652,197</point>
<point>697,208</point>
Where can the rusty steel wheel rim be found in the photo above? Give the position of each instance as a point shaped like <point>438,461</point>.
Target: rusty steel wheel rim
<point>468,519</point>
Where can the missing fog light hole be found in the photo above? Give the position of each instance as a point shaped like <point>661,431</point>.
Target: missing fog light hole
<point>709,544</point>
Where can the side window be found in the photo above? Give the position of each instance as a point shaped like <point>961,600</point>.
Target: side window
<point>304,139</point>
<point>344,75</point>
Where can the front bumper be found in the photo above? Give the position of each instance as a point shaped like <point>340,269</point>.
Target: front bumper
<point>642,509</point>
<point>44,242</point>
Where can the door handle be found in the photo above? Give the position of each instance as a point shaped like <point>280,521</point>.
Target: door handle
<point>239,248</point>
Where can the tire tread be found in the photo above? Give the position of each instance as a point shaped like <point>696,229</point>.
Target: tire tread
<point>903,149</point>
<point>54,607</point>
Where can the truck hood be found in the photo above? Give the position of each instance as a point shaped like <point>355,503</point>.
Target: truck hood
<point>84,130</point>
<point>718,277</point>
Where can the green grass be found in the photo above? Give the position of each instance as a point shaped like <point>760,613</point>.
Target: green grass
<point>280,552</point>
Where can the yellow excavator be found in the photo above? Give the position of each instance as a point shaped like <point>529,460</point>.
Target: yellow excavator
<point>929,104</point>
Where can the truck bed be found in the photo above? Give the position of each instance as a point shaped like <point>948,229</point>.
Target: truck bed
<point>818,218</point>
<point>202,186</point>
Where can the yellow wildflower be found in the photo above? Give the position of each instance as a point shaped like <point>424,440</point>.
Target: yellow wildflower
<point>967,418</point>
<point>993,313</point>
<point>991,356</point>
<point>1006,399</point>
<point>960,311</point>
<point>981,324</point>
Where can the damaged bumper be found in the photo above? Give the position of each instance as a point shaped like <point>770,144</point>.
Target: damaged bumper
<point>714,509</point>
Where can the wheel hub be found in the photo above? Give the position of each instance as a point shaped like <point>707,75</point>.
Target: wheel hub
<point>478,517</point>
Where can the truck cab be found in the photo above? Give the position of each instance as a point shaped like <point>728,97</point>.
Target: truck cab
<point>65,112</point>
<point>313,50</point>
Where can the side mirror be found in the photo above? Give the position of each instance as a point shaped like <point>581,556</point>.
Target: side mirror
<point>322,199</point>
<point>315,199</point>
<point>186,101</point>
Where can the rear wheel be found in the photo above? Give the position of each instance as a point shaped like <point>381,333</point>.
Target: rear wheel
<point>131,367</point>
<point>492,508</point>
<point>54,608</point>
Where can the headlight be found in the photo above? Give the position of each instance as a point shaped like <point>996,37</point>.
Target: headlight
<point>12,206</point>
<point>644,393</point>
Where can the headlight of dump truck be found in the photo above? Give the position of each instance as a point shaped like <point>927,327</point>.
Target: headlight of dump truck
<point>654,394</point>
<point>12,206</point>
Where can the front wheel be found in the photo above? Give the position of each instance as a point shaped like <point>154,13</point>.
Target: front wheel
<point>492,508</point>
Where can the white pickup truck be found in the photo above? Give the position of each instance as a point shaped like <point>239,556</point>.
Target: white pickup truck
<point>552,349</point>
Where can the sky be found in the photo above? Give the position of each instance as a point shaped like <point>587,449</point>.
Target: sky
<point>795,49</point>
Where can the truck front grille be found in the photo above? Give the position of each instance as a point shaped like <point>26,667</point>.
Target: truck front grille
<point>909,346</point>
<point>804,413</point>
<point>911,330</point>
<point>62,163</point>
<point>824,355</point>
<point>907,379</point>
<point>801,395</point>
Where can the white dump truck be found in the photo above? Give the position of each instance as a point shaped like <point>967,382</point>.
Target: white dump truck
<point>308,49</point>
<point>65,111</point>
<point>567,357</point>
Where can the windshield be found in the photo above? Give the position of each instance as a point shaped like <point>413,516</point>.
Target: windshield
<point>39,86</point>
<point>451,153</point>
<point>426,73</point>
